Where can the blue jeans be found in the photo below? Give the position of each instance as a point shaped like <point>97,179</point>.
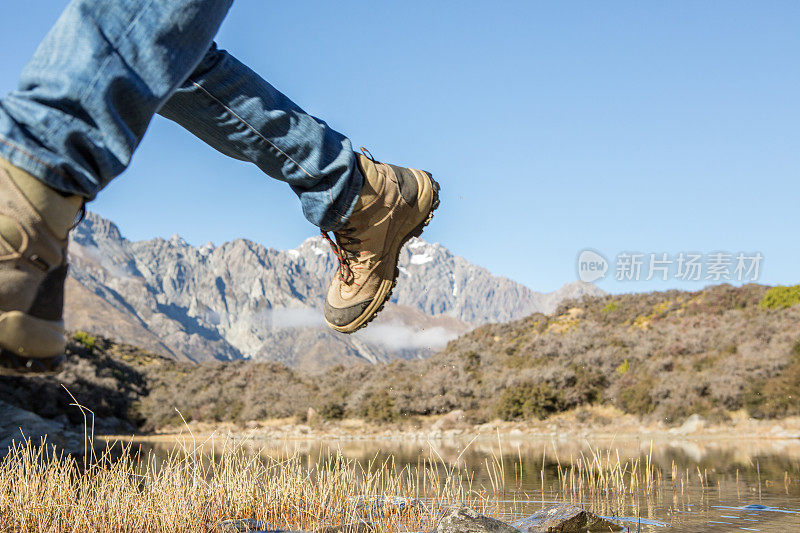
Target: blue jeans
<point>88,94</point>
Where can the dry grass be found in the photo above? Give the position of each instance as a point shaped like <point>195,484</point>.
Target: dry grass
<point>198,485</point>
<point>601,481</point>
<point>194,488</point>
<point>603,473</point>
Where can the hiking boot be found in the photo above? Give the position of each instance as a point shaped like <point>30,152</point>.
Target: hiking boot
<point>34,223</point>
<point>394,205</point>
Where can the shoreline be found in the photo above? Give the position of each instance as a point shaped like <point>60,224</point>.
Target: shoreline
<point>580,424</point>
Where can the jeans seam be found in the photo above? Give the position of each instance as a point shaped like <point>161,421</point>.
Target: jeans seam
<point>29,155</point>
<point>255,131</point>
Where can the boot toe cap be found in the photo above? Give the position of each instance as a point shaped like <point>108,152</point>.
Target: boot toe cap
<point>342,316</point>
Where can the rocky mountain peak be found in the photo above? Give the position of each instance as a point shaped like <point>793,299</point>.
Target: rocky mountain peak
<point>241,299</point>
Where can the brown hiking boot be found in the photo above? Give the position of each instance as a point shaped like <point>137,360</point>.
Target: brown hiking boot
<point>394,205</point>
<point>34,223</point>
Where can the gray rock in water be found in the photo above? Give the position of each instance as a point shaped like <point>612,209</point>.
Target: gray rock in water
<point>462,519</point>
<point>248,525</point>
<point>565,518</point>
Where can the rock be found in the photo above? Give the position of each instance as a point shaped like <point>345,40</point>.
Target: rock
<point>17,424</point>
<point>112,424</point>
<point>448,421</point>
<point>462,519</point>
<point>488,426</point>
<point>693,424</point>
<point>565,518</point>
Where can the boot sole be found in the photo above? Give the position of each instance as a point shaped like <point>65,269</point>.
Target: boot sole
<point>386,288</point>
<point>11,364</point>
<point>28,343</point>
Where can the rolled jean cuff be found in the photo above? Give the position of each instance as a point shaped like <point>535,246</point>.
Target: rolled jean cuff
<point>26,159</point>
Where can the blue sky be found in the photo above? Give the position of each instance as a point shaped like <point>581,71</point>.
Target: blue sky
<point>553,127</point>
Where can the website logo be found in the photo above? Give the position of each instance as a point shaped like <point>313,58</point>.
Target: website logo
<point>591,266</point>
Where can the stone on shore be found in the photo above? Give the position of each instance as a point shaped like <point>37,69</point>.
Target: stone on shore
<point>449,421</point>
<point>462,519</point>
<point>565,518</point>
<point>693,424</point>
<point>17,425</point>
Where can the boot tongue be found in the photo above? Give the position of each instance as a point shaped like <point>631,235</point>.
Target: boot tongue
<point>57,211</point>
<point>372,184</point>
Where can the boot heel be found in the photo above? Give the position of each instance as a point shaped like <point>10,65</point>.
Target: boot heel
<point>29,364</point>
<point>29,337</point>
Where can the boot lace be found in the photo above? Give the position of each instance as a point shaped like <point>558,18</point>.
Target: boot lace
<point>343,238</point>
<point>344,255</point>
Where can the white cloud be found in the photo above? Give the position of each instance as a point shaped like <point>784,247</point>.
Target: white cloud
<point>295,317</point>
<point>400,337</point>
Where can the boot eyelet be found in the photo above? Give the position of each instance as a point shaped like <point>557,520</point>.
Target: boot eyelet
<point>39,263</point>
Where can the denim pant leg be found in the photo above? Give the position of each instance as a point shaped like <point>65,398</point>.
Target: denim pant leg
<point>235,111</point>
<point>88,94</point>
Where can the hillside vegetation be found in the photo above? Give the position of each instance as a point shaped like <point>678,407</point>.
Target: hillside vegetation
<point>663,355</point>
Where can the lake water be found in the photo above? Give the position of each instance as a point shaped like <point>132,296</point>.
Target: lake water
<point>698,485</point>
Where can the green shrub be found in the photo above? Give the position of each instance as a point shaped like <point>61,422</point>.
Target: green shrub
<point>781,297</point>
<point>378,406</point>
<point>528,400</point>
<point>636,398</point>
<point>332,410</point>
<point>472,361</point>
<point>778,396</point>
<point>611,307</point>
<point>623,368</point>
<point>87,340</point>
<point>585,388</point>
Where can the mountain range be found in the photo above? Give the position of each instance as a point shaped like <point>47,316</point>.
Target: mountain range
<point>243,300</point>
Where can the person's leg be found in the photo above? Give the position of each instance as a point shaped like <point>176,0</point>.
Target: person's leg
<point>83,104</point>
<point>373,208</point>
<point>88,94</point>
<point>235,111</point>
